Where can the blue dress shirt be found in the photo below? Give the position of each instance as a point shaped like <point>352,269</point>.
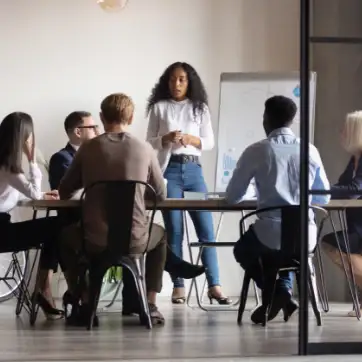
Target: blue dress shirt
<point>274,166</point>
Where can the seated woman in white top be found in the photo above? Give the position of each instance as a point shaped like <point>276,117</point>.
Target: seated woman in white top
<point>180,129</point>
<point>16,138</point>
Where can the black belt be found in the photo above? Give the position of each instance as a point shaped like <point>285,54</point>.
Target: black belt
<point>185,158</point>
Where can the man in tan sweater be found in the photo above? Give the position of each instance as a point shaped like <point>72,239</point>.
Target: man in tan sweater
<point>117,155</point>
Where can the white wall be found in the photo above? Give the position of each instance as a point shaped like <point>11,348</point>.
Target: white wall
<point>61,56</point>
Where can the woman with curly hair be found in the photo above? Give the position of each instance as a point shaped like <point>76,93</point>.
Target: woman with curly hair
<point>180,129</point>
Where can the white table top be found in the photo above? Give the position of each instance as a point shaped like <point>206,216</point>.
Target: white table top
<point>186,204</point>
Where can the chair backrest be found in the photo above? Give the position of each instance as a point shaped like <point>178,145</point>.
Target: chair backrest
<point>290,230</point>
<point>117,200</point>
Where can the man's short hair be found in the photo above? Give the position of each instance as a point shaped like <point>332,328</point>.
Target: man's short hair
<point>280,111</point>
<point>74,120</point>
<point>117,108</point>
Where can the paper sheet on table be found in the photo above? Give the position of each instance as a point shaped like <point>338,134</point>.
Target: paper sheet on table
<point>189,195</point>
<point>251,193</point>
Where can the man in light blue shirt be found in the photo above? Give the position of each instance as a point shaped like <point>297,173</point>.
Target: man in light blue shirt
<point>274,165</point>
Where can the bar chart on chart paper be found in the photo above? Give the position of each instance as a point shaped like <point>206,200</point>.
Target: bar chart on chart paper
<point>228,165</point>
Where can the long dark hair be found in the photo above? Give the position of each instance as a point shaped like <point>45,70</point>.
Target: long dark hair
<point>196,92</point>
<point>15,129</point>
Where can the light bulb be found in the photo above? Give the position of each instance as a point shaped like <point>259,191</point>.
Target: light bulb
<point>112,5</point>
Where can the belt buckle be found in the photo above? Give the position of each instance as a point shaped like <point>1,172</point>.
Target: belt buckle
<point>185,158</point>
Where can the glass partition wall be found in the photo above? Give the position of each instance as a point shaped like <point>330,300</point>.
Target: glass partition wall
<point>331,45</point>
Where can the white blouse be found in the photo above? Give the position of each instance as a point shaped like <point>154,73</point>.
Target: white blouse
<point>14,187</point>
<point>170,115</point>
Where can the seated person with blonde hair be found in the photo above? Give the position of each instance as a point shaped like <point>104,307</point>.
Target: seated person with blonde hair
<point>348,182</point>
<point>117,155</point>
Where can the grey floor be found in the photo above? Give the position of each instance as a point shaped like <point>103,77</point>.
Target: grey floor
<point>188,335</point>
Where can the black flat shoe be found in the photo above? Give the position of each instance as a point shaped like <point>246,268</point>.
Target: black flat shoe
<point>50,312</point>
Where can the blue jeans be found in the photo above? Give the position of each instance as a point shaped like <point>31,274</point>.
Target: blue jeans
<point>189,177</point>
<point>247,252</point>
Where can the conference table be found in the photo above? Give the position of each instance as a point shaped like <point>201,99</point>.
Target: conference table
<point>221,206</point>
<point>211,204</point>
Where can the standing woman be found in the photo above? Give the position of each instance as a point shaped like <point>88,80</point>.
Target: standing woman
<point>180,129</point>
<point>16,138</point>
<point>349,181</point>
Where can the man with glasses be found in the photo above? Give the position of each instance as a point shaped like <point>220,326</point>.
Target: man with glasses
<point>80,127</point>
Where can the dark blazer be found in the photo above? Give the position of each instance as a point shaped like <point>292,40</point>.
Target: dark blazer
<point>58,165</point>
<point>349,182</point>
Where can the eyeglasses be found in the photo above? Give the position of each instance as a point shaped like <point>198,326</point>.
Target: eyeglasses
<point>90,127</point>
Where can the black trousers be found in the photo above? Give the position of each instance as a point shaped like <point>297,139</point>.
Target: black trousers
<point>24,235</point>
<point>248,250</point>
<point>129,291</point>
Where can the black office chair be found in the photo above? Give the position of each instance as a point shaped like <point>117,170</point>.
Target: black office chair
<point>285,259</point>
<point>116,200</point>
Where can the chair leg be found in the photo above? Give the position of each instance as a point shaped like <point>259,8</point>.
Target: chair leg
<point>21,293</point>
<point>115,295</point>
<point>243,297</point>
<point>145,316</point>
<point>34,306</point>
<point>313,291</point>
<point>34,309</point>
<point>81,285</point>
<point>322,290</point>
<point>256,293</point>
<point>269,282</point>
<point>347,270</point>
<point>267,297</point>
<point>96,274</point>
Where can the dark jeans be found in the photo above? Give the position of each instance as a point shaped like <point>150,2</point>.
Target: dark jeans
<point>248,250</point>
<point>24,235</point>
<point>129,291</point>
<point>189,177</point>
